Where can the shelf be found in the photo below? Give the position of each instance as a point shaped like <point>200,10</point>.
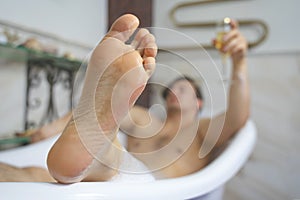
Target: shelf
<point>23,54</point>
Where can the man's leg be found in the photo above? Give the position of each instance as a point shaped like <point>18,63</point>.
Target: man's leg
<point>10,173</point>
<point>115,77</point>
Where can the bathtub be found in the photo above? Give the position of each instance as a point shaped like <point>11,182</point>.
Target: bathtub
<point>206,184</point>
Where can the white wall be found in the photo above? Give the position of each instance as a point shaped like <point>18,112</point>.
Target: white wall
<point>81,21</point>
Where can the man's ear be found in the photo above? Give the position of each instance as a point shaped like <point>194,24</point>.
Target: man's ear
<point>200,103</point>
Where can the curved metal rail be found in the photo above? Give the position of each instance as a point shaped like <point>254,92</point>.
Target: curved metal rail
<point>213,24</point>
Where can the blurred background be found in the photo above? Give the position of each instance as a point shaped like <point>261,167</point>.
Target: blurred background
<point>42,44</point>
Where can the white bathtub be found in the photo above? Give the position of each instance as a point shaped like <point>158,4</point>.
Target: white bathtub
<point>205,184</point>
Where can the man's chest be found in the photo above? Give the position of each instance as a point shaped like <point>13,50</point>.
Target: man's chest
<point>171,155</point>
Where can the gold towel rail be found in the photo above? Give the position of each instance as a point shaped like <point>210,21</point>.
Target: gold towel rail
<point>213,24</point>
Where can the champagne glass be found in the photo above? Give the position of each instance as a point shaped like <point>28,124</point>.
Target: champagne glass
<point>223,28</point>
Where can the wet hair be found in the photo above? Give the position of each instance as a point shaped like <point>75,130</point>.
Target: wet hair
<point>190,80</point>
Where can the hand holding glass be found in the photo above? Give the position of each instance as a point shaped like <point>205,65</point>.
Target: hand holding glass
<point>222,29</point>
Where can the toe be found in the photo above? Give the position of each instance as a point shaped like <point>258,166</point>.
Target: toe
<point>149,65</point>
<point>123,27</point>
<point>148,47</point>
<point>139,37</point>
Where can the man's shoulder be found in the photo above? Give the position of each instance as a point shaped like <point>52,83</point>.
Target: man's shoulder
<point>204,122</point>
<point>203,126</point>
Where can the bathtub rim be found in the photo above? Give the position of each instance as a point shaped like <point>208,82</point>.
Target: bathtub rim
<point>200,183</point>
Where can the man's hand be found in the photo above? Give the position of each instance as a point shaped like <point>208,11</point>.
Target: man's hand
<point>36,135</point>
<point>235,44</point>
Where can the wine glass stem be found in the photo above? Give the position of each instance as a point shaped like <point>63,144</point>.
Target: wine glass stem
<point>224,66</point>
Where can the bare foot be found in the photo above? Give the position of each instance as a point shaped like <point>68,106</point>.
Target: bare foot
<point>117,74</point>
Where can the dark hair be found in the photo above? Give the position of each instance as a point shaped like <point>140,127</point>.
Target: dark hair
<point>190,80</point>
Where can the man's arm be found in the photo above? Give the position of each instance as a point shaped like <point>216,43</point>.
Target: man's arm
<point>47,130</point>
<point>239,99</point>
<point>54,128</point>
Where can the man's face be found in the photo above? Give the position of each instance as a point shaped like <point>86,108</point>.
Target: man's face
<point>182,96</point>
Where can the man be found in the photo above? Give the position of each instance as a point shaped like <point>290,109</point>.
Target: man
<point>85,152</point>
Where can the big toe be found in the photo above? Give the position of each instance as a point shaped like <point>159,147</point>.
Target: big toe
<point>123,27</point>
